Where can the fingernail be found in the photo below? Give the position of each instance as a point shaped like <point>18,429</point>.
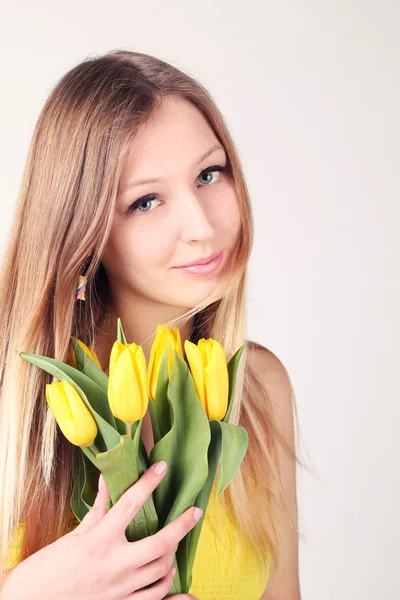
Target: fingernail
<point>197,514</point>
<point>101,480</point>
<point>160,467</point>
<point>173,571</point>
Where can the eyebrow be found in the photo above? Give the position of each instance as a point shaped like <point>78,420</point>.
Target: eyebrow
<point>134,183</point>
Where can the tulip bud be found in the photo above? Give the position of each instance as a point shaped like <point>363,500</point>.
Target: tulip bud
<point>127,382</point>
<point>209,369</point>
<point>71,413</point>
<point>91,353</point>
<point>165,338</point>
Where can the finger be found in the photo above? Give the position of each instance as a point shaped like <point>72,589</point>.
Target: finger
<point>157,591</point>
<point>97,511</point>
<point>151,572</point>
<point>165,540</point>
<point>121,514</point>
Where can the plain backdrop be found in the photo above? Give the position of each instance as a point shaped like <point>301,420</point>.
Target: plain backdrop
<point>310,91</point>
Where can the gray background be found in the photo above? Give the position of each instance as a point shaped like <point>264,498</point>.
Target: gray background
<point>310,91</point>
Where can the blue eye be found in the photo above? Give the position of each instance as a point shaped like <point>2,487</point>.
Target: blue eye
<point>152,197</point>
<point>212,170</point>
<point>145,200</point>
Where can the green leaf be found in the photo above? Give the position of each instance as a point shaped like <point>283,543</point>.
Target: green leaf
<point>154,420</point>
<point>184,447</point>
<point>232,368</point>
<point>143,459</point>
<point>149,510</point>
<point>86,365</point>
<point>176,586</point>
<point>85,486</point>
<point>119,468</point>
<point>229,442</point>
<point>88,492</point>
<point>235,441</point>
<point>120,332</point>
<point>202,500</point>
<point>108,435</point>
<point>162,409</point>
<point>139,447</point>
<point>77,505</point>
<point>89,368</point>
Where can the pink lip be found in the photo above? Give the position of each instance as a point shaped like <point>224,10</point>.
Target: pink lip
<point>201,261</point>
<point>204,268</point>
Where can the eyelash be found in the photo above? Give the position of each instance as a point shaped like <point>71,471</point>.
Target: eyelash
<point>151,197</point>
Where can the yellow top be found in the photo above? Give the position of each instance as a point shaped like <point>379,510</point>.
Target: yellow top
<point>15,548</point>
<point>224,568</point>
<point>219,570</point>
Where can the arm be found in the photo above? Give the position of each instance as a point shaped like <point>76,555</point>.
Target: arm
<point>274,376</point>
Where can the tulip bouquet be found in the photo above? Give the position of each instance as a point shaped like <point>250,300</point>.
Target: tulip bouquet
<point>189,403</point>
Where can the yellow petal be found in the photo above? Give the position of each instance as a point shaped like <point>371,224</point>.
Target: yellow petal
<point>154,362</point>
<point>141,375</point>
<point>127,392</point>
<point>177,340</point>
<point>89,352</point>
<point>116,350</point>
<point>196,364</point>
<point>164,339</point>
<point>169,344</point>
<point>206,347</point>
<point>216,381</point>
<point>58,401</point>
<point>71,413</point>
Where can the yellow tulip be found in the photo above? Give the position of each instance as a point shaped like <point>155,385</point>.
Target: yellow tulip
<point>71,413</point>
<point>165,338</point>
<point>71,354</point>
<point>127,383</point>
<point>209,369</point>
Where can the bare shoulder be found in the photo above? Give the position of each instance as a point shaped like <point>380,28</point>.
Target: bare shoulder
<point>273,375</point>
<point>269,370</point>
<point>257,352</point>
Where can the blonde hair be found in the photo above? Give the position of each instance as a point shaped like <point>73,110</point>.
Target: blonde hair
<point>63,216</point>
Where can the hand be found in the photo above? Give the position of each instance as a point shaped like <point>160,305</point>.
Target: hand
<point>95,560</point>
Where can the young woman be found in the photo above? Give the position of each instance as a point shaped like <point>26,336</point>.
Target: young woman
<point>133,176</point>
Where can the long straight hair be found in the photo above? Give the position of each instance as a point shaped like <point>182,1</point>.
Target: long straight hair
<point>63,217</point>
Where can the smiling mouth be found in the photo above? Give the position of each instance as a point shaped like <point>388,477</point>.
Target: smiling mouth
<point>204,269</point>
<point>202,261</point>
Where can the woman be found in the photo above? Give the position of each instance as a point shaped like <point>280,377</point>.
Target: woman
<point>131,175</point>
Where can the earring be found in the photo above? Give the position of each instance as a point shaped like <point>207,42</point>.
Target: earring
<point>82,283</point>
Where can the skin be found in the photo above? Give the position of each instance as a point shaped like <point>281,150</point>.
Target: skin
<point>102,561</point>
<point>274,377</point>
<point>192,216</point>
<point>190,219</point>
<point>195,213</point>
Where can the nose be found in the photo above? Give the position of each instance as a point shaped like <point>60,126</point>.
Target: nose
<point>196,223</point>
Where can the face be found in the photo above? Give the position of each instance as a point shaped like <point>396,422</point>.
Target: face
<point>187,210</point>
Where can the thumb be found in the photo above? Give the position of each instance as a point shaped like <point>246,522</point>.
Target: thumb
<point>97,511</point>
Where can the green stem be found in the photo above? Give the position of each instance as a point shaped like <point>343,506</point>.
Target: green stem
<point>129,429</point>
<point>94,449</point>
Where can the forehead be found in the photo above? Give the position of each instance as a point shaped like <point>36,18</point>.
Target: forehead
<point>176,132</point>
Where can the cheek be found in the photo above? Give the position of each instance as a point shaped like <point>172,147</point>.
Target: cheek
<point>134,251</point>
<point>227,213</point>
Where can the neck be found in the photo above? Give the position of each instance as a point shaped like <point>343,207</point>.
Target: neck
<point>139,326</point>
